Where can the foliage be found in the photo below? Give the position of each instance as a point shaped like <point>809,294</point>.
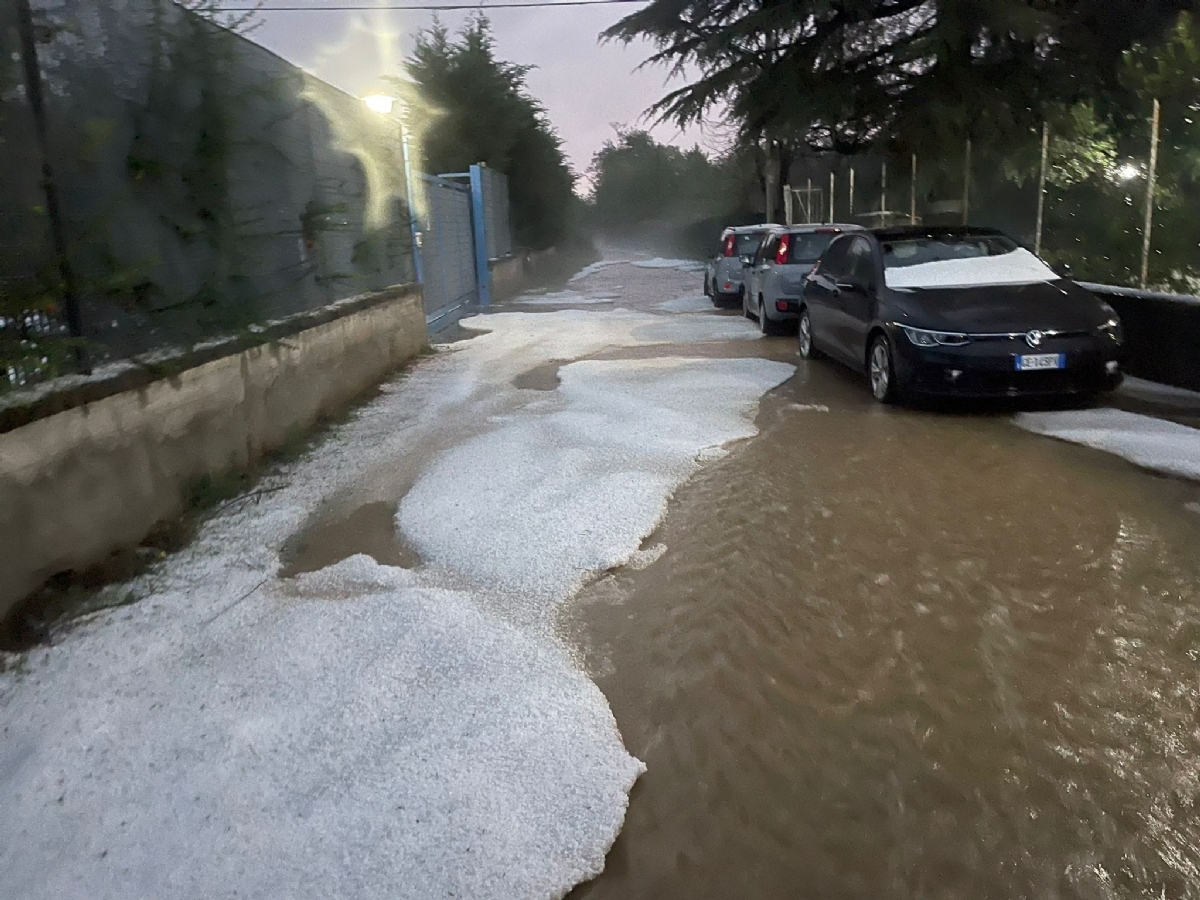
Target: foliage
<point>467,106</point>
<point>636,179</point>
<point>1083,145</point>
<point>1170,72</point>
<point>920,76</point>
<point>841,75</point>
<point>240,21</point>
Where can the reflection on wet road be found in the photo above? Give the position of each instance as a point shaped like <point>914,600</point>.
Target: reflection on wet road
<point>898,654</point>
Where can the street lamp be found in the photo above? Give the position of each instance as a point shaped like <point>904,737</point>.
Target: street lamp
<point>384,105</point>
<point>1128,172</point>
<point>379,103</point>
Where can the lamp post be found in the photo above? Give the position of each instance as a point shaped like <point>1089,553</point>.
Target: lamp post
<point>385,105</point>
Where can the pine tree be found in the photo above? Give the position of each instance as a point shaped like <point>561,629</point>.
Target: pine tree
<point>467,106</point>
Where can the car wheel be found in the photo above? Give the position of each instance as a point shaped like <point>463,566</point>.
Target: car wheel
<point>707,288</point>
<point>766,324</point>
<point>804,330</point>
<point>881,370</point>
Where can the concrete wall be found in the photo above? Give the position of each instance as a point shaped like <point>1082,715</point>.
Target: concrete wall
<point>516,273</point>
<point>508,274</point>
<point>81,482</point>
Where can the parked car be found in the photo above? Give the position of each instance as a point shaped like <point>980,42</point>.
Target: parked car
<point>957,311</point>
<point>723,273</point>
<point>774,279</point>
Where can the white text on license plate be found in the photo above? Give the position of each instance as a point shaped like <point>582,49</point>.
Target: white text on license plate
<point>1031,361</point>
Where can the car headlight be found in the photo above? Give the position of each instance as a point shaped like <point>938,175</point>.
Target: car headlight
<point>923,338</point>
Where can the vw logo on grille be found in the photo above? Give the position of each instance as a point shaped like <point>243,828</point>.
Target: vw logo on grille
<point>1034,339</point>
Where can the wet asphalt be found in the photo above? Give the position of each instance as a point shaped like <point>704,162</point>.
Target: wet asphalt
<point>898,653</point>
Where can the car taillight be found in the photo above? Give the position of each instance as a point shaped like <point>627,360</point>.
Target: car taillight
<point>782,252</point>
<point>730,245</point>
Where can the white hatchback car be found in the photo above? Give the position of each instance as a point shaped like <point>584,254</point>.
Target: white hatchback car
<point>774,279</point>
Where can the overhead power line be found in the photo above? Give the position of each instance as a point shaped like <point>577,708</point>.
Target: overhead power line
<point>536,4</point>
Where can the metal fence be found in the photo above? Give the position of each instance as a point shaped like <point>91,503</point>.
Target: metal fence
<point>447,249</point>
<point>201,186</point>
<point>495,204</point>
<point>1122,213</point>
<point>186,184</point>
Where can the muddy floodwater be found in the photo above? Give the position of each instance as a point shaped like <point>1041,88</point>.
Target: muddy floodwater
<point>886,654</point>
<point>906,654</point>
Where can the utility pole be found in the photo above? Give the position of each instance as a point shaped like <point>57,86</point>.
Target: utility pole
<point>1041,213</point>
<point>1151,184</point>
<point>58,234</point>
<point>912,193</point>
<point>966,203</point>
<point>414,226</point>
<point>852,192</point>
<point>883,195</point>
<point>769,181</point>
<point>832,187</point>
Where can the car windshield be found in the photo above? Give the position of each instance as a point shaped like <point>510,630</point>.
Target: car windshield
<point>920,250</point>
<point>807,247</point>
<point>945,261</point>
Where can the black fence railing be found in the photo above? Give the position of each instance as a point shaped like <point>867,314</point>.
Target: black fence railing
<point>1162,334</point>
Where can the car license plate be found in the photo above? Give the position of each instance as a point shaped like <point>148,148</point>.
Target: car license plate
<point>1036,361</point>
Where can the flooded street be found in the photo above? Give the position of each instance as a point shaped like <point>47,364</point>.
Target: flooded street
<point>902,654</point>
<point>610,566</point>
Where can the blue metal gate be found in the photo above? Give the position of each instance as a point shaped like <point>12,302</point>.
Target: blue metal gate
<point>492,189</point>
<point>447,251</point>
<point>465,230</point>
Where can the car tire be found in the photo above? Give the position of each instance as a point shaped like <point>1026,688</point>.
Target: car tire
<point>766,324</point>
<point>804,336</point>
<point>708,291</point>
<point>881,370</point>
<point>745,309</point>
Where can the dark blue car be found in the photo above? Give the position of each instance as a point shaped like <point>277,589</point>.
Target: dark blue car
<point>956,311</point>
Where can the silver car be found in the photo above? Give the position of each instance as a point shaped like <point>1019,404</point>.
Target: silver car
<point>723,273</point>
<point>774,279</point>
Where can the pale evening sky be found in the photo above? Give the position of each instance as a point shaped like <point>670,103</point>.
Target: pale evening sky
<point>585,86</point>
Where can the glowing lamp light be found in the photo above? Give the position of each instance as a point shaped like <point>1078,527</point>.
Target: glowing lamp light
<point>379,103</point>
<point>1128,172</point>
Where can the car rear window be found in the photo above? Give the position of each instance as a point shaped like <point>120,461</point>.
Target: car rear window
<point>748,244</point>
<point>807,247</point>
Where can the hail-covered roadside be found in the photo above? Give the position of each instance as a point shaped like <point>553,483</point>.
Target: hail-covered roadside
<point>366,730</point>
<point>1152,443</point>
